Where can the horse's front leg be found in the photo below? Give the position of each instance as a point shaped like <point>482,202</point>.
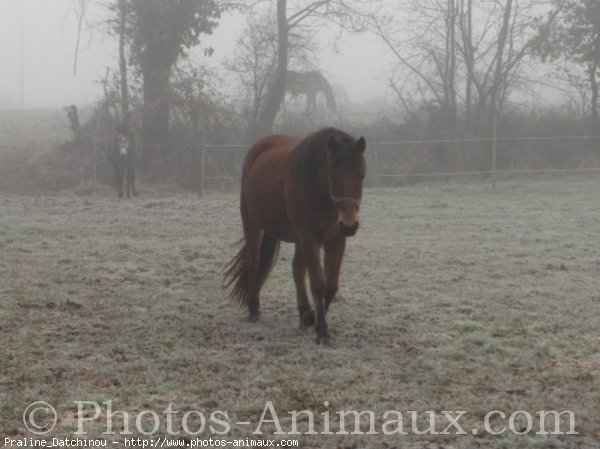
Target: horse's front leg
<point>334,252</point>
<point>310,253</point>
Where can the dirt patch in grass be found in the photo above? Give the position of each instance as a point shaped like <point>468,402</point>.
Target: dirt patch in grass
<point>454,298</point>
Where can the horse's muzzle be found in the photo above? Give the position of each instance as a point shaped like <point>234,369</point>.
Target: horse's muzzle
<point>347,211</point>
<point>348,231</point>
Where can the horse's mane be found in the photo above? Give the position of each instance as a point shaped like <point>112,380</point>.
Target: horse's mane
<point>308,157</point>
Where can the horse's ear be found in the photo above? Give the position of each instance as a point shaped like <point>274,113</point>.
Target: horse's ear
<point>360,144</point>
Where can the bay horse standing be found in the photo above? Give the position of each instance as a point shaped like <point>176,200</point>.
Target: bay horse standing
<point>307,192</point>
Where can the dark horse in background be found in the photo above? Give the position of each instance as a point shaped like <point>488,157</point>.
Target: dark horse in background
<point>306,192</point>
<point>122,157</point>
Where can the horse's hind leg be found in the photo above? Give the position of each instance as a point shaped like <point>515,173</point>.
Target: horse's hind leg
<point>307,316</point>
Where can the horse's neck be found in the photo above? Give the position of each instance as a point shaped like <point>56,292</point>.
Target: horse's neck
<point>320,84</point>
<point>328,91</point>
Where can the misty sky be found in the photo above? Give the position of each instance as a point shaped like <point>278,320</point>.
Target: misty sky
<point>50,33</point>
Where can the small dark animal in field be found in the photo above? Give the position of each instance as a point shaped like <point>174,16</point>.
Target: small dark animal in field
<point>122,157</point>
<point>306,192</point>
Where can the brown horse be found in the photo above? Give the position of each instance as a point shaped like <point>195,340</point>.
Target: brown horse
<point>306,192</point>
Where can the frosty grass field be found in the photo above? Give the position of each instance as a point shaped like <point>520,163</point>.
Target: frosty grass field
<point>453,297</point>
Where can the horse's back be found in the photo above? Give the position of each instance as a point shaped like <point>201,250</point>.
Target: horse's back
<point>263,184</point>
<point>270,150</point>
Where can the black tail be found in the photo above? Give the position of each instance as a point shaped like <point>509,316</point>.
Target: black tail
<point>235,272</point>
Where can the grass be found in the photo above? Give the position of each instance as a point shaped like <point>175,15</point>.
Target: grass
<point>455,297</point>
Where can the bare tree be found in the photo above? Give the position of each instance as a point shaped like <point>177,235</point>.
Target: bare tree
<point>575,42</point>
<point>193,96</point>
<point>498,81</point>
<point>291,18</point>
<point>161,34</point>
<point>254,61</point>
<point>438,49</point>
<point>277,88</point>
<point>122,5</point>
<point>466,29</point>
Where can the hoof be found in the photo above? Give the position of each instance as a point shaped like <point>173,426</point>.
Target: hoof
<point>253,318</point>
<point>326,341</point>
<point>307,319</point>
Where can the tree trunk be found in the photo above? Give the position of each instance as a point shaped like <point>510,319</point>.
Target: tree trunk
<point>497,81</point>
<point>494,105</point>
<point>74,123</point>
<point>123,62</point>
<point>155,121</point>
<point>451,57</point>
<point>469,62</point>
<point>594,99</point>
<point>277,90</point>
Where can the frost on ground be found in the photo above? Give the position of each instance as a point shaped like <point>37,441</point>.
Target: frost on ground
<point>454,297</point>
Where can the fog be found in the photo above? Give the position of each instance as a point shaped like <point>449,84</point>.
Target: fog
<point>49,39</point>
<point>314,237</point>
<point>432,94</point>
<point>358,62</point>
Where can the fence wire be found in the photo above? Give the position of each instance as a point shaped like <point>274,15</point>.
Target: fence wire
<point>403,145</point>
<point>433,141</point>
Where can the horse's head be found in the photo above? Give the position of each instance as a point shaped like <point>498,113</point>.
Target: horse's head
<point>346,170</point>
